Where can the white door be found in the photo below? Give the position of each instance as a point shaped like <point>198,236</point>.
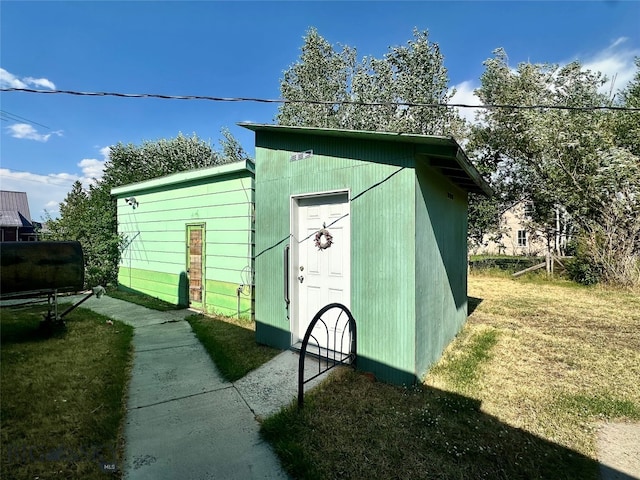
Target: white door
<point>321,274</point>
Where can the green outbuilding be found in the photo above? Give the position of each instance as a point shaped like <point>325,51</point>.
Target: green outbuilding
<point>376,221</point>
<point>189,238</point>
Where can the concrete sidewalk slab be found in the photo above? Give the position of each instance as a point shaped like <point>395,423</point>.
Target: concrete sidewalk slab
<point>275,384</point>
<point>209,436</point>
<point>174,334</point>
<point>129,313</point>
<point>183,420</point>
<point>161,375</point>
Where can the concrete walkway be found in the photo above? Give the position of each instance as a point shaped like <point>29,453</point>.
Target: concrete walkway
<point>183,420</point>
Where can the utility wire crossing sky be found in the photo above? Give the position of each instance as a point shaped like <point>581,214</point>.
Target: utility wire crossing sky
<point>322,102</point>
<point>239,51</point>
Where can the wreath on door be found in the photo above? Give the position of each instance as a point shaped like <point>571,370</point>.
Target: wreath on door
<point>323,239</point>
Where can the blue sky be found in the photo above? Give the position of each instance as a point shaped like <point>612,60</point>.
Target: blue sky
<point>240,49</point>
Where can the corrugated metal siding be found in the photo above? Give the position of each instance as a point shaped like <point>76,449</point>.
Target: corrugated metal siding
<point>441,270</point>
<point>156,232</point>
<point>382,233</point>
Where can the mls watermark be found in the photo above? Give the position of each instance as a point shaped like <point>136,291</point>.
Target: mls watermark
<point>104,455</point>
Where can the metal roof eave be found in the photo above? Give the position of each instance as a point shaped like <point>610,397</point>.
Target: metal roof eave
<point>182,177</point>
<point>475,183</point>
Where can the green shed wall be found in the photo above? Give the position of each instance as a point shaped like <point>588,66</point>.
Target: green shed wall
<point>408,244</point>
<point>382,239</point>
<point>441,264</point>
<point>154,260</point>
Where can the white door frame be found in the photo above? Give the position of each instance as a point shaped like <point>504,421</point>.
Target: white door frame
<point>294,321</point>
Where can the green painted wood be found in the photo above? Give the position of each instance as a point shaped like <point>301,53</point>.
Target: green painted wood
<point>220,297</point>
<point>163,286</point>
<point>408,245</point>
<point>209,175</point>
<point>441,272</point>
<point>155,231</point>
<point>381,227</point>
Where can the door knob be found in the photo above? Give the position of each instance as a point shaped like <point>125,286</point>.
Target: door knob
<point>301,278</point>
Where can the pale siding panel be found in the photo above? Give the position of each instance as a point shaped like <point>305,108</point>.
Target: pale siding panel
<point>156,230</point>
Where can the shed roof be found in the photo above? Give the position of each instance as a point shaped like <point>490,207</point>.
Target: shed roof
<point>452,162</point>
<point>182,177</point>
<point>13,206</point>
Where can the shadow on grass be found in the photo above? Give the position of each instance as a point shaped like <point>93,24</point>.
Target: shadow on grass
<point>62,394</point>
<point>352,427</point>
<point>231,344</point>
<point>28,327</point>
<point>472,304</point>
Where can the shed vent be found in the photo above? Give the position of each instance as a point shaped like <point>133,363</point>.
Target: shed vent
<point>301,155</point>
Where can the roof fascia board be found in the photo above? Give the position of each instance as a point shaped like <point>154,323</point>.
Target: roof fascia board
<point>455,153</point>
<point>182,177</point>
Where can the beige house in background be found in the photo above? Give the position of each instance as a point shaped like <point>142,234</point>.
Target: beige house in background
<point>518,235</point>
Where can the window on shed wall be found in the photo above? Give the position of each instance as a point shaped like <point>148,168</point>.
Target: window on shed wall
<point>522,238</point>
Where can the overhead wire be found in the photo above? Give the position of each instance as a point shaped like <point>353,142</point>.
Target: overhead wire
<point>323,102</point>
<point>7,116</point>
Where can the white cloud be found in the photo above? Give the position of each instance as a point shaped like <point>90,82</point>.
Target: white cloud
<point>40,82</point>
<point>105,152</point>
<point>45,192</point>
<point>26,131</point>
<point>9,80</point>
<point>92,170</point>
<point>465,96</point>
<point>616,61</point>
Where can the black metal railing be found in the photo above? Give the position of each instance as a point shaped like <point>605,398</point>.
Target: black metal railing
<point>340,347</point>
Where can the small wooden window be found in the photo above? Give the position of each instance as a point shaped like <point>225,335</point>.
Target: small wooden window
<point>522,238</point>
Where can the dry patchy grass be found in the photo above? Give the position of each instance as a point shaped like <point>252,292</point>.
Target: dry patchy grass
<point>518,394</point>
<point>566,357</point>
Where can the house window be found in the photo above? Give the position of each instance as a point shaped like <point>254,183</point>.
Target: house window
<point>528,209</point>
<point>522,238</point>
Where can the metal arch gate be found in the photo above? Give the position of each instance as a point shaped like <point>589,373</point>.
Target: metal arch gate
<point>329,357</point>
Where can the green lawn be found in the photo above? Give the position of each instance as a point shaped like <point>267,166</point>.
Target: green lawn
<point>231,344</point>
<point>143,300</point>
<point>63,395</point>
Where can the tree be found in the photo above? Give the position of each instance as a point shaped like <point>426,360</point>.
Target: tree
<point>414,73</point>
<point>90,217</point>
<point>132,163</point>
<point>558,159</point>
<point>71,225</point>
<point>627,125</point>
<point>321,74</point>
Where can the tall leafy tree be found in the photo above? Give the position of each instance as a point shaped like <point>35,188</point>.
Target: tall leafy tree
<point>558,159</point>
<point>627,124</point>
<point>412,73</point>
<point>321,74</point>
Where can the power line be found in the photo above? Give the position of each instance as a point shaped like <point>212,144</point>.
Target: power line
<point>6,116</point>
<point>321,102</point>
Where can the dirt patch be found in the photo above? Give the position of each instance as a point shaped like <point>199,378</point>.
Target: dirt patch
<point>619,451</point>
